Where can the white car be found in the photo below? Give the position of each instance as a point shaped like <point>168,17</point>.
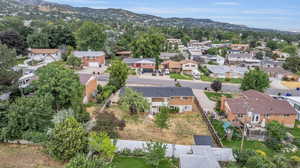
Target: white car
<point>167,72</point>
<point>196,74</point>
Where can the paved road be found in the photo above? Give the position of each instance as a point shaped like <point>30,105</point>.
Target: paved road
<point>134,80</point>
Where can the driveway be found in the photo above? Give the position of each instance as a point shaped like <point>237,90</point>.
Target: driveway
<point>205,103</point>
<point>276,84</point>
<point>91,70</point>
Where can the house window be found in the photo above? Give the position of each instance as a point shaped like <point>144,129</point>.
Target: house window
<point>193,65</point>
<point>185,98</point>
<point>240,115</point>
<point>186,65</point>
<point>297,107</point>
<point>267,115</point>
<point>286,115</point>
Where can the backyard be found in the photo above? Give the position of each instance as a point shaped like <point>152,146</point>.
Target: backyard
<point>25,156</point>
<point>127,162</point>
<point>215,96</point>
<point>180,76</point>
<point>181,129</point>
<point>224,80</point>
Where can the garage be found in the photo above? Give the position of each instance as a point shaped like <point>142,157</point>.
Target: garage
<point>93,64</point>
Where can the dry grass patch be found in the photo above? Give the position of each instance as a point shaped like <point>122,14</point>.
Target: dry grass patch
<point>181,130</point>
<point>25,156</point>
<point>291,85</point>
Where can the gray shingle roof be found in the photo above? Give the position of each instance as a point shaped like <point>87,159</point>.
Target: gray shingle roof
<point>136,60</point>
<point>80,54</point>
<point>162,91</point>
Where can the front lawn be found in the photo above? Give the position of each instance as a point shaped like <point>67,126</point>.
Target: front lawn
<point>224,80</point>
<point>214,96</point>
<point>180,76</point>
<point>128,162</point>
<point>181,129</point>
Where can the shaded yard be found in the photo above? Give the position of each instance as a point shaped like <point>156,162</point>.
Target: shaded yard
<point>181,130</point>
<point>25,156</point>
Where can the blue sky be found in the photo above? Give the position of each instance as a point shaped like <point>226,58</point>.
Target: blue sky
<point>275,14</point>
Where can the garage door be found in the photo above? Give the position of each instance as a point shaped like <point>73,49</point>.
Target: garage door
<point>93,64</point>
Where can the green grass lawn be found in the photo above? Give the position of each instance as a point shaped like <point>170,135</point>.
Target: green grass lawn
<point>181,76</point>
<point>213,96</point>
<point>231,80</point>
<point>134,162</point>
<point>21,60</point>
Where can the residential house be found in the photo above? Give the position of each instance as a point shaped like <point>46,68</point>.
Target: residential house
<point>244,60</point>
<point>235,52</point>
<point>94,59</point>
<point>167,55</point>
<point>282,56</point>
<point>241,47</point>
<point>198,44</point>
<point>173,97</point>
<point>124,54</point>
<point>175,44</point>
<point>280,73</point>
<point>26,80</point>
<point>294,102</point>
<point>185,66</point>
<point>224,71</point>
<point>269,63</point>
<point>221,45</point>
<point>188,66</point>
<point>44,55</point>
<point>90,86</point>
<point>209,58</point>
<point>256,109</point>
<point>141,64</point>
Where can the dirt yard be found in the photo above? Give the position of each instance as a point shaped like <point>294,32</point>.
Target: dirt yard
<point>25,156</point>
<point>181,130</point>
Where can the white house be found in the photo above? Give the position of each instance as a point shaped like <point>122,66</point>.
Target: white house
<point>45,55</point>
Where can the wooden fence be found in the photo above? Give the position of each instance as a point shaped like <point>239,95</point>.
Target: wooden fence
<point>211,129</point>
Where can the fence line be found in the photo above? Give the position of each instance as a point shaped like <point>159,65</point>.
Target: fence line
<point>211,129</point>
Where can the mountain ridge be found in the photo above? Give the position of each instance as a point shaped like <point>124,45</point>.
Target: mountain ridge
<point>33,9</point>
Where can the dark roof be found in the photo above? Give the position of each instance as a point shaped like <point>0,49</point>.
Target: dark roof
<point>162,91</point>
<point>257,102</point>
<point>203,140</point>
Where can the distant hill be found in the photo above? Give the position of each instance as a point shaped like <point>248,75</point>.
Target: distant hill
<point>39,9</point>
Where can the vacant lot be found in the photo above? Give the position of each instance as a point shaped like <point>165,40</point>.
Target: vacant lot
<point>181,129</point>
<point>25,156</point>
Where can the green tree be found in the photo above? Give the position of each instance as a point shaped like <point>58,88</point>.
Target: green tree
<point>109,123</point>
<point>118,74</point>
<point>256,80</point>
<point>91,36</point>
<point>38,40</point>
<point>275,134</point>
<point>13,40</point>
<point>280,161</point>
<point>134,101</point>
<point>64,85</point>
<point>102,144</point>
<point>273,45</point>
<point>155,153</point>
<point>161,119</point>
<point>31,114</point>
<point>290,49</point>
<point>73,61</point>
<point>259,55</point>
<point>8,77</point>
<point>59,34</point>
<point>292,64</point>
<point>216,85</point>
<point>213,51</point>
<point>67,139</point>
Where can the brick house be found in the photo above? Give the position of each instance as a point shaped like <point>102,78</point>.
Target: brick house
<point>179,97</point>
<point>256,108</point>
<point>91,58</point>
<point>142,64</point>
<point>90,86</point>
<point>185,66</point>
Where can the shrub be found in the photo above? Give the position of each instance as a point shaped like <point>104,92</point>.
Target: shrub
<point>155,153</point>
<point>67,139</point>
<point>81,161</point>
<point>101,143</point>
<point>243,156</point>
<point>35,137</point>
<point>108,122</point>
<point>105,93</point>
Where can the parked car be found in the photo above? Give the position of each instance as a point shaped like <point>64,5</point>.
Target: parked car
<point>167,72</point>
<point>196,74</point>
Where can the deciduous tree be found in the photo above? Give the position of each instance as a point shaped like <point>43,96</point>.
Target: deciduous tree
<point>155,153</point>
<point>134,101</point>
<point>118,74</point>
<point>256,80</point>
<point>162,118</point>
<point>216,85</point>
<point>102,144</point>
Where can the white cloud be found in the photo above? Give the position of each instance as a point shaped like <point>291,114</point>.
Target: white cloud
<point>227,3</point>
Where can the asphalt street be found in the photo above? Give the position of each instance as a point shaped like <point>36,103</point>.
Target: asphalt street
<point>233,88</point>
